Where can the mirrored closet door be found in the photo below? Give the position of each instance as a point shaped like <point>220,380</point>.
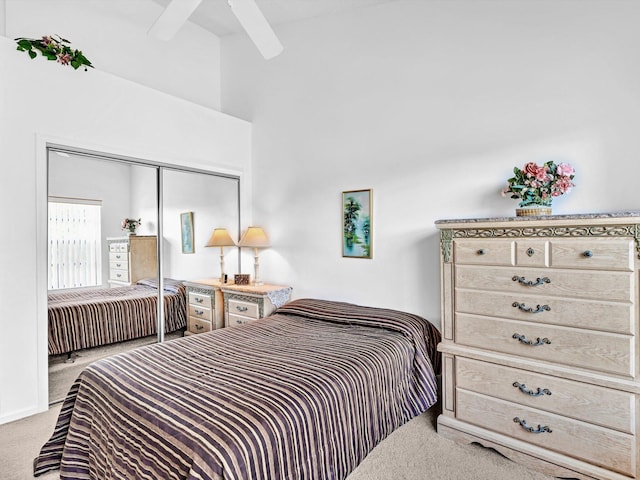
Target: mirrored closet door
<point>123,234</point>
<point>194,205</point>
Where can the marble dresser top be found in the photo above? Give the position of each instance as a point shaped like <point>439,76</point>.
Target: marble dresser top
<point>573,218</point>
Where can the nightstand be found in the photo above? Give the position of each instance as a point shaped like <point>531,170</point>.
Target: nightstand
<point>245,303</point>
<point>205,311</point>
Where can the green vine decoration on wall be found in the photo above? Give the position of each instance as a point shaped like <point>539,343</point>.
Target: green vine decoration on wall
<point>53,47</point>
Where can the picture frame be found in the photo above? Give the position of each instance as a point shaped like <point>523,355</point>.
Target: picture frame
<point>357,224</point>
<point>186,231</point>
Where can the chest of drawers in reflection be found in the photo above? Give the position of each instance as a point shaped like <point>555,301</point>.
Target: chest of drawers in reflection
<point>131,259</point>
<point>539,327</point>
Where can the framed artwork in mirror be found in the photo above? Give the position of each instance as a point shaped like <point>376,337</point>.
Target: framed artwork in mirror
<point>186,230</point>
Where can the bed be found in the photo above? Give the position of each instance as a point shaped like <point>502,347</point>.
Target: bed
<point>305,393</point>
<point>91,317</point>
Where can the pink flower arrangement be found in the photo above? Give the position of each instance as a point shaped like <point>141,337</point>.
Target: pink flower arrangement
<point>538,184</point>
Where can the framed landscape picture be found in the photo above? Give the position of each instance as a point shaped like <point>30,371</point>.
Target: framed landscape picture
<point>357,229</point>
<point>186,229</point>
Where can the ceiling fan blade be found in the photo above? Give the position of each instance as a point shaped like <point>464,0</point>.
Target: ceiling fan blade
<point>172,18</point>
<point>257,27</point>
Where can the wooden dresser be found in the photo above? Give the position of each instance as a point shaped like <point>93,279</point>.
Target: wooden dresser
<point>131,259</point>
<point>540,344</point>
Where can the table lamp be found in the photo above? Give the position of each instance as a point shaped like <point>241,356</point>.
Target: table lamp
<point>220,238</point>
<point>255,238</point>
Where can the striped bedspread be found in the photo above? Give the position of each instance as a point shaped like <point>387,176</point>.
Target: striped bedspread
<point>303,394</point>
<point>91,317</point>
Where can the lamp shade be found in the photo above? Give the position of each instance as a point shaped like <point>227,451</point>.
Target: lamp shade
<point>220,238</point>
<point>254,237</point>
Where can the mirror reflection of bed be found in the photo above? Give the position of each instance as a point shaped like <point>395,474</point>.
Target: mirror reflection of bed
<point>92,323</point>
<point>103,279</point>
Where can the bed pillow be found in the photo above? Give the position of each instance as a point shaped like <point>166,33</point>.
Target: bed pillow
<point>170,285</point>
<point>426,336</point>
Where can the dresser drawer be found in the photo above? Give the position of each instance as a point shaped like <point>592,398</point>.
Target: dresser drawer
<point>593,253</point>
<point>605,352</point>
<point>484,252</point>
<point>245,309</point>
<point>118,247</point>
<point>235,320</point>
<point>119,275</point>
<point>544,309</point>
<point>590,403</point>
<point>202,313</point>
<point>604,285</point>
<point>199,299</point>
<point>118,257</point>
<point>600,446</point>
<point>197,325</point>
<point>119,265</point>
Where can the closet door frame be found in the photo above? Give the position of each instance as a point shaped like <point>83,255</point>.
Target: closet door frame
<point>44,147</point>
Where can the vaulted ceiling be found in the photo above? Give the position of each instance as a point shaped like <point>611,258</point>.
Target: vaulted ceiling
<point>216,16</point>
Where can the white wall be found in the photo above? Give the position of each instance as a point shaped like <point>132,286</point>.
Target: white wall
<point>130,191</point>
<point>430,104</point>
<point>112,34</point>
<point>214,204</point>
<point>73,176</point>
<point>42,102</point>
<point>144,198</point>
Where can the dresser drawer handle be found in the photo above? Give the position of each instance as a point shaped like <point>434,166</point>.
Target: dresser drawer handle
<point>523,388</point>
<point>118,275</point>
<point>531,283</point>
<point>587,253</point>
<point>241,309</point>
<point>538,309</point>
<point>199,312</point>
<point>540,429</point>
<point>530,252</point>
<point>539,341</point>
<point>199,300</point>
<point>482,251</point>
<point>118,257</point>
<point>199,327</point>
<point>118,265</point>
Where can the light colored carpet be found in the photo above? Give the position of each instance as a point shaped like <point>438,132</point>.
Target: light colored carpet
<point>413,452</point>
<point>64,371</point>
<point>416,452</point>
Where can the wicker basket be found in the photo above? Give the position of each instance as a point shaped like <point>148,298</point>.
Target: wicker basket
<point>533,211</point>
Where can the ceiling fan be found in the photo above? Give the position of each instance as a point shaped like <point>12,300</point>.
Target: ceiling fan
<point>246,11</point>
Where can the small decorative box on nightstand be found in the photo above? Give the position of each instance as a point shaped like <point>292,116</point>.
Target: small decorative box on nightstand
<point>204,306</point>
<point>245,303</point>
